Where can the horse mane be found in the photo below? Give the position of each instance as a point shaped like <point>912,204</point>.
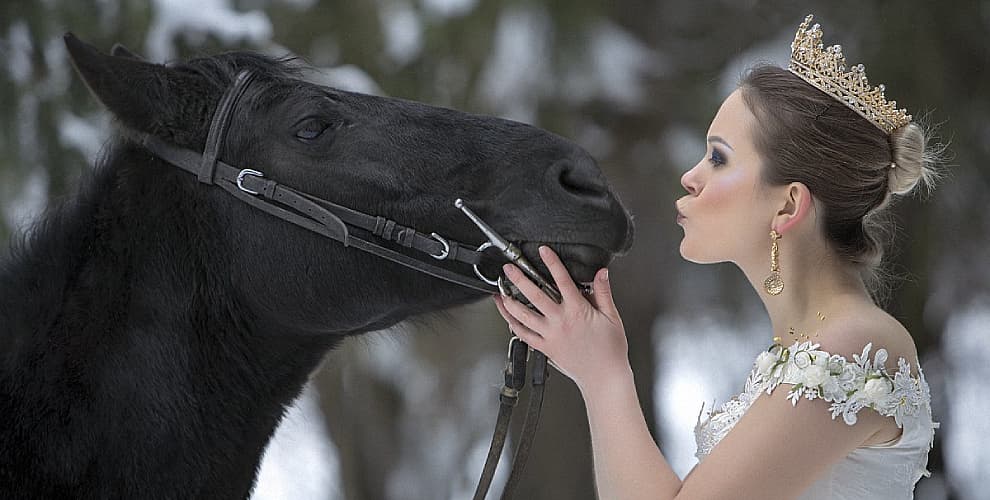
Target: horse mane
<point>44,256</point>
<point>53,245</point>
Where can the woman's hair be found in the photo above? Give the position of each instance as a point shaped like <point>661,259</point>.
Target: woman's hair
<point>850,166</point>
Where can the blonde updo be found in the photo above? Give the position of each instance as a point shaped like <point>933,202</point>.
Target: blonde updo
<point>913,164</point>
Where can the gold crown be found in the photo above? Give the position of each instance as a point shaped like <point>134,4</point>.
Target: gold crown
<point>825,68</point>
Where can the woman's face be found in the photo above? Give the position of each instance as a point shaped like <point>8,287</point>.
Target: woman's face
<point>726,214</point>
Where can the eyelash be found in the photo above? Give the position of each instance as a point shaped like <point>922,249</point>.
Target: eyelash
<point>716,158</point>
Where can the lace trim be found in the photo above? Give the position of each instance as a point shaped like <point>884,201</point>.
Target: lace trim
<point>849,385</point>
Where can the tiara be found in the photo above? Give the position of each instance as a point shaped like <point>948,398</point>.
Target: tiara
<point>825,68</point>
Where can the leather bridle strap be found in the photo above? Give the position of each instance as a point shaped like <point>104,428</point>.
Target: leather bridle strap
<point>515,379</point>
<point>336,222</point>
<point>219,125</point>
<point>538,380</point>
<point>310,212</point>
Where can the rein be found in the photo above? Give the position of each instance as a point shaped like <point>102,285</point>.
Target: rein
<point>336,222</point>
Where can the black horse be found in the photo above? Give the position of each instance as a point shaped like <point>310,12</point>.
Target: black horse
<point>154,328</point>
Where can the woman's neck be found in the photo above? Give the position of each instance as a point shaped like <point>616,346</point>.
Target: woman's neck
<point>816,286</point>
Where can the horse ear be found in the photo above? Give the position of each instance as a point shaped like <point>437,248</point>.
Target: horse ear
<point>144,96</point>
<point>119,50</point>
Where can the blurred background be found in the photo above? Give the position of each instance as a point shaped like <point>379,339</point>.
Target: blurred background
<point>408,413</point>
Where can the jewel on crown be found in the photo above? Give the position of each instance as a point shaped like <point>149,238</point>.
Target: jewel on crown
<point>825,68</point>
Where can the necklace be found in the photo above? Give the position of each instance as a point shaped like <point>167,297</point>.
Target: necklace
<point>797,336</point>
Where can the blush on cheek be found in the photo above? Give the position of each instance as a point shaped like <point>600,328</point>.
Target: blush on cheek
<point>732,186</point>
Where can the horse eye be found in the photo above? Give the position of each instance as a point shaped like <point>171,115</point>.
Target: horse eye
<point>312,129</point>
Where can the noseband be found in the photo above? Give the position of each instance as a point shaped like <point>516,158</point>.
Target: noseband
<point>335,222</point>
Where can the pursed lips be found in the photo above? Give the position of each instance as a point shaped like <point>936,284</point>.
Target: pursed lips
<point>680,215</point>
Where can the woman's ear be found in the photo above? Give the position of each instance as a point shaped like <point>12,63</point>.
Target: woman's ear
<point>797,207</point>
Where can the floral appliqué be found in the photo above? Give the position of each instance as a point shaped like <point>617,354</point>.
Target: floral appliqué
<point>849,386</point>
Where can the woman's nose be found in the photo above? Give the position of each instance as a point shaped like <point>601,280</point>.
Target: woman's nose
<point>690,181</point>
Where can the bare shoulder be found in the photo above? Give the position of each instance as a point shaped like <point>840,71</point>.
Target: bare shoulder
<point>847,332</point>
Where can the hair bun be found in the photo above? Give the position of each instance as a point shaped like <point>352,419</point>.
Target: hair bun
<point>911,165</point>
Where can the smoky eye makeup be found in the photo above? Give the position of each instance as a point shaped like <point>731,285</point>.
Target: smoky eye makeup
<point>716,158</point>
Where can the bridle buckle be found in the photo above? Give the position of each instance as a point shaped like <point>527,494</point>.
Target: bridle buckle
<point>446,247</point>
<point>244,173</point>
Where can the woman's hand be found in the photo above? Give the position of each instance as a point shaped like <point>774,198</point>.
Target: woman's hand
<point>583,337</point>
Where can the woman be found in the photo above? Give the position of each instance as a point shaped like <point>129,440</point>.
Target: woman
<point>809,156</point>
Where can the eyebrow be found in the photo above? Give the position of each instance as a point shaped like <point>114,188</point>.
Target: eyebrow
<point>715,138</point>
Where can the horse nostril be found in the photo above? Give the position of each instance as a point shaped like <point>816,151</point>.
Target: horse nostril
<point>580,178</point>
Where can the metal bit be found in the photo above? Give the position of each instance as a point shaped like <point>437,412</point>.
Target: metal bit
<point>511,252</point>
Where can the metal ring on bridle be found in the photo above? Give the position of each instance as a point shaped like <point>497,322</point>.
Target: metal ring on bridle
<point>446,247</point>
<point>493,282</point>
<point>244,173</point>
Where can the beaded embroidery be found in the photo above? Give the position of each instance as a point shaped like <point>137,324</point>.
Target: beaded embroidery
<point>849,385</point>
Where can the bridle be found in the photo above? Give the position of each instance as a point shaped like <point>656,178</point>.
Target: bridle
<point>310,212</point>
<point>336,222</point>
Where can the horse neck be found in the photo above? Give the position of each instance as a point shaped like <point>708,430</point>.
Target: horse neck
<point>119,318</point>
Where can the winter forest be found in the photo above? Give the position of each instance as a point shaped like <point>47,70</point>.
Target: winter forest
<point>407,413</point>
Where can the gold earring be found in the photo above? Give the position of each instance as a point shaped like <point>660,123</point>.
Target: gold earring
<point>774,284</point>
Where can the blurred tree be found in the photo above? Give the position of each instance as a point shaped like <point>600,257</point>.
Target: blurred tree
<point>678,55</point>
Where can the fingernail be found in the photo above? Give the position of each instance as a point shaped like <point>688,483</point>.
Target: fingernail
<point>508,269</point>
<point>604,274</point>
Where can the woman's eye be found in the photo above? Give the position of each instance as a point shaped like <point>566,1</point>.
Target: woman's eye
<point>716,158</point>
<point>312,130</point>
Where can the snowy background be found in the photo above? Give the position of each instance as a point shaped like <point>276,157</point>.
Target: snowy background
<point>636,84</point>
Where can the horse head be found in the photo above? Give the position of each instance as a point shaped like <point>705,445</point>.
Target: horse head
<point>399,159</point>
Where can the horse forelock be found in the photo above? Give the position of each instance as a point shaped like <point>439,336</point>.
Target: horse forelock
<point>220,70</point>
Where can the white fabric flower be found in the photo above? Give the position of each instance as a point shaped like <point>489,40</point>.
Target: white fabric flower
<point>849,386</point>
<point>841,382</point>
<point>802,359</point>
<point>876,390</point>
<point>815,376</point>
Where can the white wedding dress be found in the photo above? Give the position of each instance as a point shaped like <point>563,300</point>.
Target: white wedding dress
<point>887,471</point>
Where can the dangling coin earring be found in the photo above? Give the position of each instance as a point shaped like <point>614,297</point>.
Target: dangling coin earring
<point>774,284</point>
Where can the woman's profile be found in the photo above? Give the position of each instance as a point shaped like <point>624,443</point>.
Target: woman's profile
<point>800,163</point>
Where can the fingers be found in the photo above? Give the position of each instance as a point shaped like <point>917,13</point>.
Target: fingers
<point>560,275</point>
<point>603,295</point>
<point>524,315</point>
<point>535,340</point>
<point>538,297</point>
